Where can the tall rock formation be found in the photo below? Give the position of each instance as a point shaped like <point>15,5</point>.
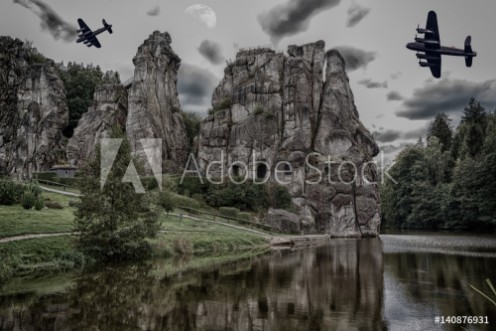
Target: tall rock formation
<point>154,109</point>
<point>109,110</point>
<point>285,111</point>
<point>33,110</point>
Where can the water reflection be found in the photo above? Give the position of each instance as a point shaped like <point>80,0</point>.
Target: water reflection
<point>348,285</point>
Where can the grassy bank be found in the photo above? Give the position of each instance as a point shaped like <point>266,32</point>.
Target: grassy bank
<point>177,238</point>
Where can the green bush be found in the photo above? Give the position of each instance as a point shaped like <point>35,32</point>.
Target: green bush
<point>33,188</point>
<point>199,198</point>
<point>73,203</point>
<point>149,183</point>
<point>182,201</point>
<point>247,196</point>
<point>244,216</point>
<point>69,181</point>
<point>169,184</point>
<point>28,200</point>
<point>39,204</point>
<point>228,212</point>
<point>10,192</point>
<point>165,201</point>
<point>47,175</point>
<point>279,196</point>
<point>192,185</point>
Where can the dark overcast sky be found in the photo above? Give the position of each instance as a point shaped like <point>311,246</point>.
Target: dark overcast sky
<point>391,91</point>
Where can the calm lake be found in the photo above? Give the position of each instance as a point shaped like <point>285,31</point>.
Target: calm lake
<point>398,282</point>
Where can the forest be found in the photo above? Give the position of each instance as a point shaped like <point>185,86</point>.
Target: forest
<point>446,182</point>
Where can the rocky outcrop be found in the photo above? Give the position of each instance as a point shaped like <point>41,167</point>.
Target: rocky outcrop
<point>302,123</point>
<point>109,110</point>
<point>154,109</point>
<point>33,110</point>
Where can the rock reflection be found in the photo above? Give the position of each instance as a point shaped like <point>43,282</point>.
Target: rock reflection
<point>338,287</point>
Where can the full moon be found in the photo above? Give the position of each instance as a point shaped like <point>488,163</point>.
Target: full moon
<point>203,13</point>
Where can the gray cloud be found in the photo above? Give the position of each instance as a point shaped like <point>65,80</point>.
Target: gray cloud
<point>155,11</point>
<point>50,20</point>
<point>396,75</point>
<point>211,51</point>
<point>447,95</point>
<point>356,14</point>
<point>356,58</point>
<point>292,17</point>
<point>387,136</point>
<point>394,96</point>
<point>195,85</point>
<point>368,83</point>
<point>415,134</point>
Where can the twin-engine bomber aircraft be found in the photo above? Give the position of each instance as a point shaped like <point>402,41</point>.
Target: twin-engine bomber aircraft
<point>88,37</point>
<point>429,48</point>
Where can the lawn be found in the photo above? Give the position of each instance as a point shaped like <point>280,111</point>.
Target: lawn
<point>177,237</point>
<point>15,220</point>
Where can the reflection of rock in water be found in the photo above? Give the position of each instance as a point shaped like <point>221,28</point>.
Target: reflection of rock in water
<point>331,288</point>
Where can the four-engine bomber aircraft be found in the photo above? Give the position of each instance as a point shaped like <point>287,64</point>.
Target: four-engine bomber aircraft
<point>429,48</point>
<point>88,37</point>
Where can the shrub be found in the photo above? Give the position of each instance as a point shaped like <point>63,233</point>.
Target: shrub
<point>39,204</point>
<point>244,216</point>
<point>182,246</point>
<point>149,183</point>
<point>279,196</point>
<point>73,203</point>
<point>199,198</point>
<point>53,205</point>
<point>33,188</point>
<point>192,185</point>
<point>166,202</point>
<point>169,184</point>
<point>10,192</point>
<point>28,200</point>
<point>47,175</point>
<point>182,201</point>
<point>247,196</point>
<point>228,212</point>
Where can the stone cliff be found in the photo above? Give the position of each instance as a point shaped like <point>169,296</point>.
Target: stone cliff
<point>109,110</point>
<point>33,110</point>
<point>154,108</point>
<point>285,111</point>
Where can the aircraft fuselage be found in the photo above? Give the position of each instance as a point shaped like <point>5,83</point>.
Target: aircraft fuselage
<point>421,47</point>
<point>84,37</point>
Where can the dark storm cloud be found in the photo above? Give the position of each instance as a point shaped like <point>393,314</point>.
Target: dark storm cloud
<point>195,85</point>
<point>211,51</point>
<point>387,136</point>
<point>292,17</point>
<point>155,11</point>
<point>368,83</point>
<point>394,96</point>
<point>50,20</point>
<point>356,58</point>
<point>356,14</point>
<point>447,95</point>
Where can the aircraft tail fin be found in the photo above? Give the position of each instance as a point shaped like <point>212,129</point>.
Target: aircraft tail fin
<point>468,49</point>
<point>109,27</point>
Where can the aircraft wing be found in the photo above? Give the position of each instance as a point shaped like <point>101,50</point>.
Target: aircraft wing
<point>434,61</point>
<point>84,29</point>
<point>434,27</point>
<point>93,42</point>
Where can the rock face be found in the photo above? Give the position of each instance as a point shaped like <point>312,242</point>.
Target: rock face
<point>33,110</point>
<point>283,110</point>
<point>154,109</point>
<point>109,110</point>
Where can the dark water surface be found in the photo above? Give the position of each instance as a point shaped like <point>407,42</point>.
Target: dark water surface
<point>398,282</point>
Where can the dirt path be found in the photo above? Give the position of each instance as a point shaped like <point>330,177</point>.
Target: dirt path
<point>34,236</point>
<point>60,192</point>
